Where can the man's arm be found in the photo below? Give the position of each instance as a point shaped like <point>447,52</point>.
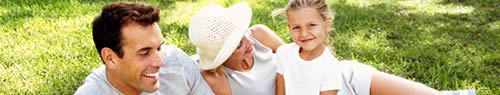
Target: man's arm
<point>266,36</point>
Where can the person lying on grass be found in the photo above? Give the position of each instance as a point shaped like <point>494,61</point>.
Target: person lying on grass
<point>306,66</point>
<point>136,60</point>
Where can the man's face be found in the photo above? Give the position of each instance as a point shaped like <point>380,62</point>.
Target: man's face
<point>141,62</point>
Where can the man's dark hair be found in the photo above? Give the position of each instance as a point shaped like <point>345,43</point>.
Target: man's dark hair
<point>106,28</point>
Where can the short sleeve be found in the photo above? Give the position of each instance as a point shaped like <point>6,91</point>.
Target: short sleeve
<point>280,61</point>
<point>196,82</point>
<point>181,75</point>
<point>87,89</point>
<point>331,81</point>
<point>279,69</point>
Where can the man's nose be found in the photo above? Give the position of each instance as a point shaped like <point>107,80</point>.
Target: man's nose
<point>157,61</point>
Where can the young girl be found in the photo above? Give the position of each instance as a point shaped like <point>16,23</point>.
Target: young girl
<point>307,66</point>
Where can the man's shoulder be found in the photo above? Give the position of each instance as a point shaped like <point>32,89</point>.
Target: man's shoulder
<point>89,89</point>
<point>175,56</point>
<point>95,83</point>
<point>180,74</point>
<point>92,89</point>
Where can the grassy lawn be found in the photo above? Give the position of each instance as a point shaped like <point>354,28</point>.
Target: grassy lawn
<point>47,47</point>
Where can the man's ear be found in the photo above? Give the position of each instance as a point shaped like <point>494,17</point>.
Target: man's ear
<point>109,57</point>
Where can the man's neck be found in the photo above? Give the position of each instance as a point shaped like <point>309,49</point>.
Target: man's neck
<point>121,86</point>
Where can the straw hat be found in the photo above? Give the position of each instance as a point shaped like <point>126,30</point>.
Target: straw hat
<point>216,31</point>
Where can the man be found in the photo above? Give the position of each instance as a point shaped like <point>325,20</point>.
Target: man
<point>136,60</point>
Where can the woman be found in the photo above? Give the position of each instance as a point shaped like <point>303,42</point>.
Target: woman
<point>236,59</point>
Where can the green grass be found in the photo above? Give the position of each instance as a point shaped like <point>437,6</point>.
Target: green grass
<point>47,48</point>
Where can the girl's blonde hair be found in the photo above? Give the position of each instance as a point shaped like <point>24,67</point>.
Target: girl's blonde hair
<point>320,5</point>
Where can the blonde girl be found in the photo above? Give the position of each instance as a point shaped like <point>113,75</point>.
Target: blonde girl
<point>307,67</point>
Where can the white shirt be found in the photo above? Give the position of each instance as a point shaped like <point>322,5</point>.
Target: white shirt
<point>308,77</point>
<point>356,77</point>
<point>261,79</point>
<point>179,76</point>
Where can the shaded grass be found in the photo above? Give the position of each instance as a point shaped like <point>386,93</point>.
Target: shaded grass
<point>46,46</point>
<point>446,50</point>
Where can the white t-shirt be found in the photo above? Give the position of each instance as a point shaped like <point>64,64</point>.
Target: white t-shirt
<point>308,77</point>
<point>356,77</point>
<point>179,76</point>
<point>260,80</point>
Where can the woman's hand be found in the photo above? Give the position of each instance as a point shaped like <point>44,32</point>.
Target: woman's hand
<point>266,36</point>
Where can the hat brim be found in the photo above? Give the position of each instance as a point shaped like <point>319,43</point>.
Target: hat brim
<point>241,15</point>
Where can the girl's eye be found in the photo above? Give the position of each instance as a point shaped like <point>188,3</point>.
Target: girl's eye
<point>312,24</point>
<point>296,28</point>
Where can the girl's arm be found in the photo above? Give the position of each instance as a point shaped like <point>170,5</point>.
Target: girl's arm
<point>266,36</point>
<point>280,84</point>
<point>387,84</point>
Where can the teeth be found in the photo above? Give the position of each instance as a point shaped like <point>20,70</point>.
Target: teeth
<point>151,75</point>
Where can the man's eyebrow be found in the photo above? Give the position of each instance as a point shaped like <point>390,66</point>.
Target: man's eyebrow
<point>148,48</point>
<point>145,48</point>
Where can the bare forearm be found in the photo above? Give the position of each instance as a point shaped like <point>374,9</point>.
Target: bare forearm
<point>280,85</point>
<point>387,84</point>
<point>266,36</point>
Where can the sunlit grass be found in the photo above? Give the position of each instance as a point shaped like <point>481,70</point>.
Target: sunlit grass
<point>369,41</point>
<point>183,12</point>
<point>494,26</point>
<point>3,11</point>
<point>44,47</point>
<point>416,6</point>
<point>432,7</point>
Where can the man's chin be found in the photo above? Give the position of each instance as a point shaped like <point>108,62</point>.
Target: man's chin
<point>151,84</point>
<point>152,88</point>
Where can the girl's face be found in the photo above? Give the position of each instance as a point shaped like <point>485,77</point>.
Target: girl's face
<point>309,29</point>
